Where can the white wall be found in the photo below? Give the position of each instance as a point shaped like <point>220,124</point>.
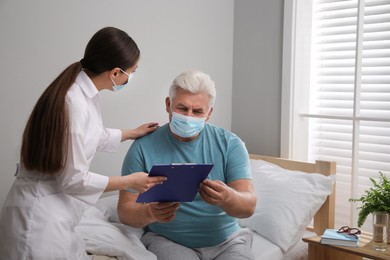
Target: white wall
<point>257,74</point>
<point>40,38</point>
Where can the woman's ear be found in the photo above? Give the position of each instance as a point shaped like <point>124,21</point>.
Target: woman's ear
<point>114,72</point>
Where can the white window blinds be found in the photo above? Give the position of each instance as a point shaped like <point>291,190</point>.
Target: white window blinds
<point>349,115</point>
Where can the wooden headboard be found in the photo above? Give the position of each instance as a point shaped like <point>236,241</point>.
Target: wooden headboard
<point>325,215</point>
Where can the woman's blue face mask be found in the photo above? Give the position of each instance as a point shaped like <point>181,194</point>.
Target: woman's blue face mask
<point>186,126</point>
<point>119,87</point>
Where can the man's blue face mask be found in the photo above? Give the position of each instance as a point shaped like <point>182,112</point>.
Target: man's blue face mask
<point>186,126</point>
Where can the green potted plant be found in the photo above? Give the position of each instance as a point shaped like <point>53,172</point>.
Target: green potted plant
<point>376,199</point>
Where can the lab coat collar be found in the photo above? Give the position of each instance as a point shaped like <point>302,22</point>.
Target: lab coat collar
<point>86,84</point>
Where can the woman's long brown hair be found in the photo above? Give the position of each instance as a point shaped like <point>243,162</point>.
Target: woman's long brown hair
<point>45,137</point>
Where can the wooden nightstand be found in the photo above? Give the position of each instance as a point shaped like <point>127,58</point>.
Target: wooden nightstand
<point>318,251</point>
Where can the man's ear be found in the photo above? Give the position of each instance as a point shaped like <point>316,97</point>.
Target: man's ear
<point>167,104</point>
<point>209,114</point>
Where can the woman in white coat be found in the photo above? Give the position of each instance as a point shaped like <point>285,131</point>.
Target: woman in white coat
<point>53,184</point>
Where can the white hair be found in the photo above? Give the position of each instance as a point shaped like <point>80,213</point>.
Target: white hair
<point>195,82</point>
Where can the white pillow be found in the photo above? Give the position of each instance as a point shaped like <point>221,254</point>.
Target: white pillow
<point>286,202</point>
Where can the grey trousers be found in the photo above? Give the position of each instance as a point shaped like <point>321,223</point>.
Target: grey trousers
<point>237,246</point>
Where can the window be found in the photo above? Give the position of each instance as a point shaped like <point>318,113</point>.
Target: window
<point>336,92</point>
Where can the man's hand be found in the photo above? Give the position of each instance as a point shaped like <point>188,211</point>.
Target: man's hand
<point>236,198</point>
<point>140,215</point>
<point>215,192</point>
<point>164,211</point>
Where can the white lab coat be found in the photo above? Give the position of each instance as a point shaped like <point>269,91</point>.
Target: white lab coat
<point>41,212</point>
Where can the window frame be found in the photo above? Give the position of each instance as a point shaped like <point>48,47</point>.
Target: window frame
<point>295,98</point>
<point>296,35</point>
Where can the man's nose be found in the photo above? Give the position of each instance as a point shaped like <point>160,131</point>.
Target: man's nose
<point>188,113</point>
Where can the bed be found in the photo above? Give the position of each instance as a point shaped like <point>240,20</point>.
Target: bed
<point>295,200</point>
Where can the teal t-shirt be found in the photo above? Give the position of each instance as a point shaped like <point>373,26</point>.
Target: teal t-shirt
<point>197,224</point>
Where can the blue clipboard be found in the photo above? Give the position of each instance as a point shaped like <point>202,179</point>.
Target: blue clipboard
<point>182,182</point>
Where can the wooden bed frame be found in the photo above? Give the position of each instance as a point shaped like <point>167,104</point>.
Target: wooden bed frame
<point>325,215</point>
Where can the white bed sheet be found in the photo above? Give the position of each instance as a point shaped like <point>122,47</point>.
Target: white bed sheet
<point>264,249</point>
<point>105,235</point>
<point>106,238</point>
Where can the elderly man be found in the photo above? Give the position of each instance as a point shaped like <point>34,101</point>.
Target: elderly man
<point>207,227</point>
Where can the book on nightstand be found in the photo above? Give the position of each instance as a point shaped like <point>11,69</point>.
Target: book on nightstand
<point>332,237</point>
